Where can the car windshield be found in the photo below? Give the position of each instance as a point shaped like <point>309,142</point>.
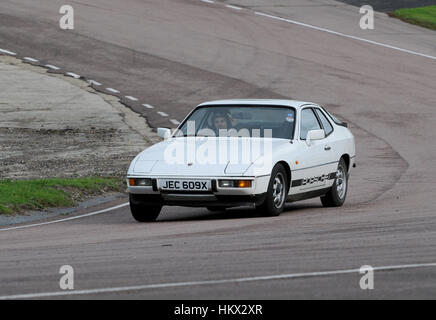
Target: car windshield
<point>251,121</point>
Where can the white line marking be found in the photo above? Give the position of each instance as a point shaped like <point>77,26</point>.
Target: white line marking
<point>163,114</point>
<point>209,282</point>
<point>95,83</point>
<point>233,7</point>
<point>207,1</point>
<point>148,106</point>
<point>74,75</point>
<point>30,59</point>
<point>50,66</point>
<point>131,98</point>
<point>66,219</point>
<point>8,52</point>
<point>112,90</point>
<point>345,35</point>
<point>174,121</point>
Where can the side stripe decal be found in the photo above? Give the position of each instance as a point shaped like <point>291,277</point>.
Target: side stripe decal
<point>306,181</point>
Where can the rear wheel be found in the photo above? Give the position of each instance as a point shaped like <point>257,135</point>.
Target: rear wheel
<point>142,212</point>
<point>337,194</point>
<point>277,193</point>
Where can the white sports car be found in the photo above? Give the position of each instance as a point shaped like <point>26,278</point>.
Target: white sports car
<point>232,153</point>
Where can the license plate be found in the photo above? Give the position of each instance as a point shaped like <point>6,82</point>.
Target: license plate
<point>184,185</point>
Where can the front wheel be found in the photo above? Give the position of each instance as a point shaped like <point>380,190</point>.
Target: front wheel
<point>337,194</point>
<point>144,213</point>
<point>277,193</point>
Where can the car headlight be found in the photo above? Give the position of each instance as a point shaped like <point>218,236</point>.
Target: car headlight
<point>140,182</point>
<point>234,183</point>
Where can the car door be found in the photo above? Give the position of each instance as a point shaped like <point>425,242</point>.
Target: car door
<point>314,160</point>
<point>329,144</point>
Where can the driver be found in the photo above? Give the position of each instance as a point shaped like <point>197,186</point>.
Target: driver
<point>221,121</point>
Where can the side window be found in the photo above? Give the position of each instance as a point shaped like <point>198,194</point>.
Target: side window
<point>325,123</point>
<point>308,122</point>
<point>335,119</point>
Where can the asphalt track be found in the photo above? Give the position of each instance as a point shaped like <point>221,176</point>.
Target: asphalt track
<point>175,54</point>
<point>391,5</point>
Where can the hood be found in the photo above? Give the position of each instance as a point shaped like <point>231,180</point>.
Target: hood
<point>208,156</point>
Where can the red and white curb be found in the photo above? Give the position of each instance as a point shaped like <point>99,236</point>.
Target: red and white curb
<point>95,83</point>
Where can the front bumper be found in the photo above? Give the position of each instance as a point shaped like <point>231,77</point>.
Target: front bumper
<point>224,197</point>
<point>197,200</point>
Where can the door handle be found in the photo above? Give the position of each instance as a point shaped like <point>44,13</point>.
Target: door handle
<point>327,148</point>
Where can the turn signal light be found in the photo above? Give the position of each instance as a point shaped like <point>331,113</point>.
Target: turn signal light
<point>244,184</point>
<point>140,182</point>
<point>235,183</point>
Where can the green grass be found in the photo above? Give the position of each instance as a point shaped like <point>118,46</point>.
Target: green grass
<point>16,196</point>
<point>423,16</point>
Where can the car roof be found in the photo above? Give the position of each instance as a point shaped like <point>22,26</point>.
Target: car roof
<point>260,102</point>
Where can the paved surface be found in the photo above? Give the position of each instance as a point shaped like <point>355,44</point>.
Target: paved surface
<point>344,18</point>
<point>391,5</point>
<point>54,126</point>
<point>174,54</point>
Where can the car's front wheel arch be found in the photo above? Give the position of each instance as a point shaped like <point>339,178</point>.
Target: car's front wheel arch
<point>346,158</point>
<point>288,173</point>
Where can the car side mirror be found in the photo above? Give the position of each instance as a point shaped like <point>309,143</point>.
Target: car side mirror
<point>164,133</point>
<point>314,135</point>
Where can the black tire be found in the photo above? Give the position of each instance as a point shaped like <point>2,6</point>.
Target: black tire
<point>336,196</point>
<point>216,209</point>
<point>270,207</point>
<point>142,212</point>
